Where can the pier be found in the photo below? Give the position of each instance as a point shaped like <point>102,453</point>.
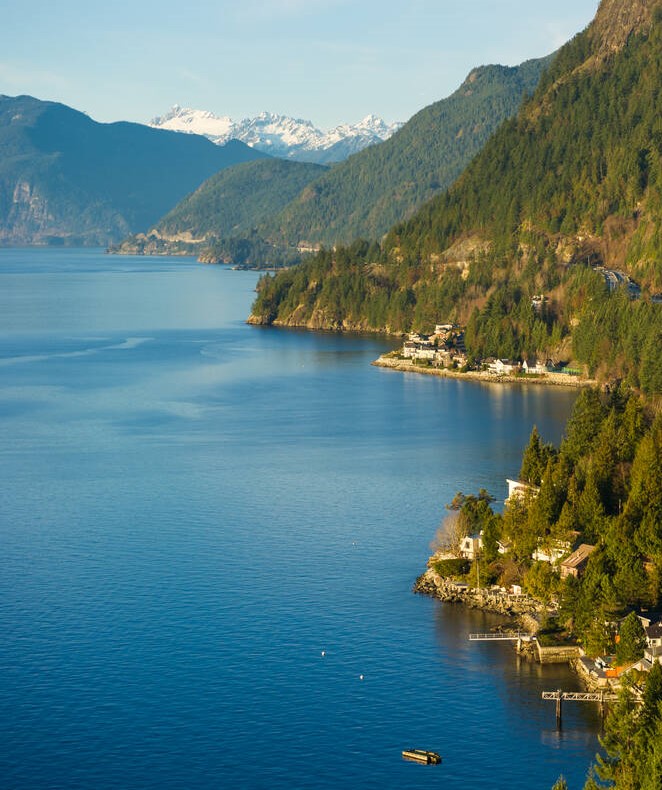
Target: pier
<point>577,696</point>
<point>506,636</point>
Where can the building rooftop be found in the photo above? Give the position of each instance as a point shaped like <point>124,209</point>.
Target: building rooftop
<point>580,555</point>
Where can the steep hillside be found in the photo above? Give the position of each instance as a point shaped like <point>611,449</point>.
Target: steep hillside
<point>385,183</point>
<point>66,179</point>
<point>574,179</point>
<point>224,210</point>
<point>579,168</point>
<point>363,195</point>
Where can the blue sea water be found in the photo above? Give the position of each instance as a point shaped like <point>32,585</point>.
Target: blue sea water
<point>192,510</point>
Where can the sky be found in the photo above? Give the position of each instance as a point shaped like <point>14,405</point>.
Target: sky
<point>329,61</point>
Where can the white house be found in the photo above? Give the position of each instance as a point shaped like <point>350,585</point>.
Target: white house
<point>653,654</point>
<point>552,552</point>
<point>538,301</point>
<point>471,546</point>
<point>421,340</point>
<point>409,349</point>
<point>503,367</point>
<point>520,490</point>
<point>535,367</point>
<point>425,352</point>
<point>423,349</point>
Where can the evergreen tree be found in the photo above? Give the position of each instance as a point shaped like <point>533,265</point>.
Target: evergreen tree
<point>631,642</point>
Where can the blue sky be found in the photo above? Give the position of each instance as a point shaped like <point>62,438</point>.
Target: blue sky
<point>329,61</point>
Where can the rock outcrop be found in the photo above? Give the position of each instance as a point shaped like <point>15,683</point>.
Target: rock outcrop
<point>490,600</point>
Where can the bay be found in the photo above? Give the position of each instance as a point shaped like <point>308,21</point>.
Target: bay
<point>194,510</point>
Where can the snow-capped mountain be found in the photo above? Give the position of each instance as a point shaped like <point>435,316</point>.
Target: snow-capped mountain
<point>280,135</point>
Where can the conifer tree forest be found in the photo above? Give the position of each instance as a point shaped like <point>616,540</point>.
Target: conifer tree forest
<point>575,180</point>
<point>566,191</point>
<point>602,487</point>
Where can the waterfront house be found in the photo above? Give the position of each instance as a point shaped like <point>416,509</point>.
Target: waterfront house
<point>409,349</point>
<point>536,367</point>
<point>425,352</point>
<point>415,350</point>
<point>419,347</point>
<point>443,357</point>
<point>503,367</point>
<point>471,546</point>
<point>517,489</point>
<point>575,564</point>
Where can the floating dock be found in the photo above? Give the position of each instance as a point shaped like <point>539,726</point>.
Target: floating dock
<point>421,756</point>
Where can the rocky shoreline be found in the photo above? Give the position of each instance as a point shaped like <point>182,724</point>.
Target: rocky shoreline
<point>526,613</point>
<point>490,600</point>
<point>549,379</point>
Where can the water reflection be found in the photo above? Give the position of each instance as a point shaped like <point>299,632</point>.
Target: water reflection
<point>519,681</point>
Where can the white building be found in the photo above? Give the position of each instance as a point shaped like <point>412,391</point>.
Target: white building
<point>520,490</point>
<point>503,367</point>
<point>471,546</point>
<point>535,367</point>
<point>554,550</point>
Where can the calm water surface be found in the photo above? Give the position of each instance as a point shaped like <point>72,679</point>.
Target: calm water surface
<point>192,510</point>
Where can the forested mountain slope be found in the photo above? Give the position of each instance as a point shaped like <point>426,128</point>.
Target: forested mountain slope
<point>66,179</point>
<point>386,182</point>
<point>574,179</point>
<point>227,206</point>
<point>257,216</point>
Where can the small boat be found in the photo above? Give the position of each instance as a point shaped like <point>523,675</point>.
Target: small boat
<point>421,756</point>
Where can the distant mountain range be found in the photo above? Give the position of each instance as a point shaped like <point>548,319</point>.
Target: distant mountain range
<point>362,196</point>
<point>280,135</point>
<point>65,179</point>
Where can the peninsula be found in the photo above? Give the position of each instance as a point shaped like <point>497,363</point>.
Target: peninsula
<point>575,557</point>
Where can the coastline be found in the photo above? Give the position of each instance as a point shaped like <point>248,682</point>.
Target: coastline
<point>526,613</point>
<point>547,380</point>
<point>517,606</point>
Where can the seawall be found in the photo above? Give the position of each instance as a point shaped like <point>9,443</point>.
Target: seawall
<point>549,379</point>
